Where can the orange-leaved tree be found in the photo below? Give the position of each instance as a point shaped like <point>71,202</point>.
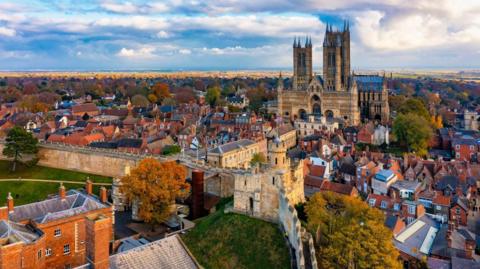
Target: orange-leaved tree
<point>156,185</point>
<point>161,90</point>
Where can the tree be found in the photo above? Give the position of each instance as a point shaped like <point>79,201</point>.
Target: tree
<point>171,149</point>
<point>140,101</point>
<point>395,101</point>
<point>213,96</point>
<point>152,98</point>
<point>415,106</point>
<point>258,158</point>
<point>349,234</point>
<point>19,142</point>
<point>156,185</point>
<point>412,131</point>
<point>32,104</point>
<point>184,95</point>
<point>161,90</point>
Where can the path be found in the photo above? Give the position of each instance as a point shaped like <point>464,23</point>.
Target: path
<point>53,181</point>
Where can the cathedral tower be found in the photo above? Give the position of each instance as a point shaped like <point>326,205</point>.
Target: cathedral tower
<point>302,64</point>
<point>336,58</point>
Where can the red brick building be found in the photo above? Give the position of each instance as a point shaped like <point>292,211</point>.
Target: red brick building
<point>71,229</point>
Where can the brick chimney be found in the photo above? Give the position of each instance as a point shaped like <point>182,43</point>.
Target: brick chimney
<point>61,191</point>
<point>88,186</point>
<point>98,237</point>
<point>10,202</point>
<point>469,248</point>
<point>103,195</point>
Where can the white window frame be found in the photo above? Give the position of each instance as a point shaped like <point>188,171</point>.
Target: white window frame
<point>371,202</point>
<point>48,252</point>
<point>66,249</point>
<point>411,209</point>
<point>57,232</point>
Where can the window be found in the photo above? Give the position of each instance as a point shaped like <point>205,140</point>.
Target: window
<point>411,209</point>
<point>39,254</point>
<point>457,210</point>
<point>383,204</point>
<point>372,202</point>
<point>48,252</point>
<point>457,147</point>
<point>438,207</point>
<point>57,232</point>
<point>396,207</point>
<point>410,220</point>
<point>273,180</point>
<point>66,249</point>
<point>471,148</point>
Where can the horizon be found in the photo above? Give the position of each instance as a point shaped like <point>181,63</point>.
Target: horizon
<point>139,35</point>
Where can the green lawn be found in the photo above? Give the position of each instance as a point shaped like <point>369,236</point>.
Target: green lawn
<point>236,241</point>
<point>27,192</point>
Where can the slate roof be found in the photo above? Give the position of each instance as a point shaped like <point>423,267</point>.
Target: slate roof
<point>87,107</point>
<point>369,82</point>
<point>348,168</point>
<point>18,232</point>
<point>168,253</point>
<point>52,209</point>
<point>129,143</point>
<point>232,146</point>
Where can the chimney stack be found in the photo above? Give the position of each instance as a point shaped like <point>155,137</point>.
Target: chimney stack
<point>469,248</point>
<point>88,186</point>
<point>10,202</point>
<point>61,191</point>
<point>103,195</point>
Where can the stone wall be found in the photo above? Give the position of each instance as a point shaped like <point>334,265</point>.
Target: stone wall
<point>300,240</point>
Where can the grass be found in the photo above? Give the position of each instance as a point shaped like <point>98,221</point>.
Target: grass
<point>28,192</point>
<point>236,241</point>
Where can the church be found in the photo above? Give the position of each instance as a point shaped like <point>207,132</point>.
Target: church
<point>338,94</point>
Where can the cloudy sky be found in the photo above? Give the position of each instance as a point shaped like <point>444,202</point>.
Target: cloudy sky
<point>233,34</point>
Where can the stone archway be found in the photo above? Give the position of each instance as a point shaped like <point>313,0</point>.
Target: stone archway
<point>329,115</point>
<point>316,109</point>
<point>302,114</point>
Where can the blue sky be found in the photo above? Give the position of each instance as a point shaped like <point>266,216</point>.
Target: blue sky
<point>233,34</point>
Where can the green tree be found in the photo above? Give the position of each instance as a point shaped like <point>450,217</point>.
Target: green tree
<point>19,142</point>
<point>171,149</point>
<point>349,234</point>
<point>415,106</point>
<point>258,158</point>
<point>213,96</point>
<point>413,131</point>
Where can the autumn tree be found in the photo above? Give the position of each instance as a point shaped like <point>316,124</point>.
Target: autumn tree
<point>140,101</point>
<point>33,104</point>
<point>395,101</point>
<point>258,158</point>
<point>18,143</point>
<point>349,234</point>
<point>156,185</point>
<point>213,96</point>
<point>184,95</point>
<point>161,90</point>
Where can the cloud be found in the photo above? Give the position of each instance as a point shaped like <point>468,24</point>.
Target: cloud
<point>131,8</point>
<point>136,53</point>
<point>7,31</point>
<point>185,51</point>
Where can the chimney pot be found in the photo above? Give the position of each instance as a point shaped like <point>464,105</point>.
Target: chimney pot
<point>89,186</point>
<point>103,195</point>
<point>10,204</point>
<point>61,191</point>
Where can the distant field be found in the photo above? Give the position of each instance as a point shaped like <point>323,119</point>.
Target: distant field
<point>27,192</point>
<point>236,241</point>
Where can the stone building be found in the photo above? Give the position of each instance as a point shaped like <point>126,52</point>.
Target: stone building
<point>257,191</point>
<point>237,154</point>
<point>333,96</point>
<point>373,97</point>
<point>69,230</point>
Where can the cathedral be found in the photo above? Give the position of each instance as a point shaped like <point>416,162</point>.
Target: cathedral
<point>336,94</point>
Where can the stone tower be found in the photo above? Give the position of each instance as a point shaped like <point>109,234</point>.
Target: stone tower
<point>277,154</point>
<point>302,64</point>
<point>336,58</point>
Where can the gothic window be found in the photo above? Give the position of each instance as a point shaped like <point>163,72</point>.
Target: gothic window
<point>273,180</point>
<point>276,161</point>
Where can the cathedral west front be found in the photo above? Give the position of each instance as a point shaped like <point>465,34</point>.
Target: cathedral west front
<point>338,94</point>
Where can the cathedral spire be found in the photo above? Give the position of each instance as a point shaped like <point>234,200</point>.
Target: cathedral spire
<point>295,41</point>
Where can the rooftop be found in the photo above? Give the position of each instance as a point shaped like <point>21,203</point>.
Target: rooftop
<point>52,209</point>
<point>169,252</point>
<point>232,146</point>
<point>384,175</point>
